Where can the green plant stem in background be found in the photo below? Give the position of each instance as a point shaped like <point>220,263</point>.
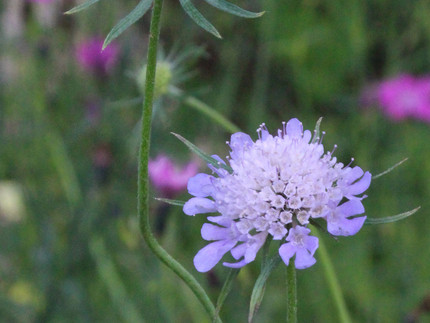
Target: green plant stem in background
<point>291,293</point>
<point>205,109</point>
<point>112,280</point>
<point>143,199</point>
<point>332,281</point>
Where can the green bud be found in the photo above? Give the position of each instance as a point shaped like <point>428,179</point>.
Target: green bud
<point>163,77</point>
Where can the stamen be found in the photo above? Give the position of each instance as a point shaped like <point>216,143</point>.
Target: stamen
<point>352,160</point>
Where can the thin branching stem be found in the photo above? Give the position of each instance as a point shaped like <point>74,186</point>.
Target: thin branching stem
<point>143,199</point>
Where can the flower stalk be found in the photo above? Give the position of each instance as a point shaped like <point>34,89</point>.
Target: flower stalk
<point>143,185</point>
<point>291,294</point>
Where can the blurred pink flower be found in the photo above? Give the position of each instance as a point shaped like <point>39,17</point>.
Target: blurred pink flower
<point>167,177</point>
<point>405,96</point>
<point>90,56</point>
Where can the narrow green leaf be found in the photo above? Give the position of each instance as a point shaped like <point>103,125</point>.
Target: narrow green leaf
<point>198,17</point>
<point>390,169</point>
<point>393,218</point>
<point>226,289</point>
<point>202,155</point>
<point>316,136</point>
<point>81,7</point>
<point>171,202</point>
<point>128,20</point>
<point>260,286</point>
<point>233,9</point>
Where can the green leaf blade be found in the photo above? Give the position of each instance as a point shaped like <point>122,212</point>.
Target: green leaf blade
<point>171,202</point>
<point>233,9</point>
<point>81,7</point>
<point>389,169</point>
<point>393,218</point>
<point>316,136</point>
<point>226,288</point>
<point>198,17</point>
<point>128,20</point>
<point>202,155</point>
<point>260,286</point>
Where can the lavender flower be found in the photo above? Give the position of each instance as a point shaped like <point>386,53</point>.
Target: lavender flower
<point>93,59</point>
<point>405,96</point>
<point>277,186</point>
<point>167,177</point>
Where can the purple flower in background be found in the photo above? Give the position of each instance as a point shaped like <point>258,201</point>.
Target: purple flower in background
<point>405,96</point>
<point>41,1</point>
<point>167,177</point>
<point>276,186</point>
<point>92,58</point>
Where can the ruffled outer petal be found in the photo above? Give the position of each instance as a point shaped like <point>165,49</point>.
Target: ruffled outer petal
<point>210,255</point>
<point>198,205</point>
<point>338,223</point>
<point>294,128</point>
<point>201,185</point>
<point>248,250</point>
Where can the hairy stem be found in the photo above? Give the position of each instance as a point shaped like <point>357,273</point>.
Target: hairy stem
<point>143,199</point>
<point>291,294</point>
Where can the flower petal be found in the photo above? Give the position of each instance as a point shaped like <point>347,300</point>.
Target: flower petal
<point>287,251</point>
<point>238,142</point>
<point>221,220</point>
<point>210,255</point>
<point>361,185</point>
<point>303,259</point>
<point>354,174</point>
<point>350,208</point>
<point>238,264</point>
<point>220,171</point>
<point>294,128</point>
<point>311,244</point>
<point>254,244</point>
<point>239,251</point>
<point>198,205</point>
<point>213,232</point>
<point>352,226</point>
<point>201,185</point>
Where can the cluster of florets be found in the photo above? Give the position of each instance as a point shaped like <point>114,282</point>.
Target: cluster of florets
<point>276,186</point>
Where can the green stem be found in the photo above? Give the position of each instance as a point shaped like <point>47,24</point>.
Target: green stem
<point>205,109</point>
<point>291,294</point>
<point>111,278</point>
<point>332,282</point>
<point>143,199</point>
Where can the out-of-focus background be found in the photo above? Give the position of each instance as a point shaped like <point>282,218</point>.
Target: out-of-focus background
<point>70,248</point>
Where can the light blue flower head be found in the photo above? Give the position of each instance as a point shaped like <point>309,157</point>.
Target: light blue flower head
<point>278,184</point>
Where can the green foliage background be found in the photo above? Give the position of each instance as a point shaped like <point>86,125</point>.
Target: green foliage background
<point>77,255</point>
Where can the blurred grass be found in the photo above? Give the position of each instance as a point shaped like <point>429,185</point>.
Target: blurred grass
<point>303,59</point>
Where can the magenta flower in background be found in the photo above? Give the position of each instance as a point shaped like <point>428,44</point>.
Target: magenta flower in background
<point>405,96</point>
<point>91,58</point>
<point>169,178</point>
<point>275,186</point>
